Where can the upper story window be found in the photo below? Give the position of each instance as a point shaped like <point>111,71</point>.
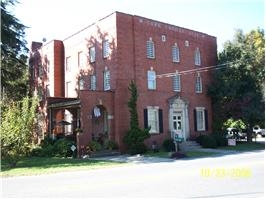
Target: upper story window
<point>175,53</point>
<point>93,82</point>
<point>81,83</point>
<point>197,57</point>
<point>150,51</point>
<point>92,54</point>
<point>81,59</point>
<point>151,77</point>
<point>106,80</point>
<point>68,64</point>
<point>198,84</point>
<point>105,48</point>
<point>177,83</point>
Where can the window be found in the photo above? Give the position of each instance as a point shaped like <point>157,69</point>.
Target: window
<point>105,48</point>
<point>151,76</point>
<point>153,118</point>
<point>68,84</point>
<point>106,80</point>
<point>81,84</point>
<point>198,84</point>
<point>150,51</point>
<point>93,82</point>
<point>81,59</point>
<point>68,64</point>
<point>201,119</point>
<point>163,38</point>
<point>197,57</point>
<point>176,83</point>
<point>92,54</point>
<point>175,53</point>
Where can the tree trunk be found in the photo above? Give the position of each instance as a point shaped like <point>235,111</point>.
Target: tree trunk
<point>249,135</point>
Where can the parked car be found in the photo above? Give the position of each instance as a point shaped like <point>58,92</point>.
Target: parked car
<point>257,130</point>
<point>235,133</point>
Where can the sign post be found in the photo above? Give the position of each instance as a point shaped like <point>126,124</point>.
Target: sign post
<point>177,140</point>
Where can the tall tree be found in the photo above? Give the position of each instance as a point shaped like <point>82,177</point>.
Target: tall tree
<point>238,89</point>
<point>14,70</point>
<point>134,139</point>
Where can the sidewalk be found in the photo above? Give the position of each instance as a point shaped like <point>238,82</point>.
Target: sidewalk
<point>137,159</point>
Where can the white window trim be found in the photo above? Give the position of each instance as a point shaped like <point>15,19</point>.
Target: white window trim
<point>105,49</point>
<point>198,84</point>
<point>200,127</point>
<point>151,79</point>
<point>150,49</point>
<point>197,57</point>
<point>177,78</point>
<point>155,129</point>
<point>92,54</point>
<point>175,53</point>
<point>106,80</point>
<point>93,82</point>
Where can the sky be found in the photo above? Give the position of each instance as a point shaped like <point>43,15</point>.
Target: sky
<point>58,19</point>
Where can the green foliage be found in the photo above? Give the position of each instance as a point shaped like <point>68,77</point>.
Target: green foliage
<point>134,138</point>
<point>14,70</point>
<point>220,139</point>
<point>237,124</point>
<point>53,148</point>
<point>169,145</point>
<point>110,145</point>
<point>94,146</point>
<point>212,141</point>
<point>17,129</point>
<point>238,89</point>
<point>208,142</point>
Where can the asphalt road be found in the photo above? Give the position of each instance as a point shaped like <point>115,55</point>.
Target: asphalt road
<point>228,176</point>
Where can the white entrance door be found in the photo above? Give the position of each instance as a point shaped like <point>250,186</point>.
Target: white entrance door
<point>178,126</point>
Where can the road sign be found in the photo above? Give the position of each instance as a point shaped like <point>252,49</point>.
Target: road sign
<point>73,148</point>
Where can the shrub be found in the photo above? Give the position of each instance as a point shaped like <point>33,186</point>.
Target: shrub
<point>220,139</point>
<point>199,139</point>
<point>110,144</point>
<point>62,148</point>
<point>94,146</point>
<point>139,148</point>
<point>208,142</point>
<point>169,145</point>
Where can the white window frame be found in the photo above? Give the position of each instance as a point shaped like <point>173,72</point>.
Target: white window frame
<point>151,79</point>
<point>153,119</point>
<point>197,57</point>
<point>105,48</point>
<point>93,82</point>
<point>68,64</point>
<point>198,85</point>
<point>200,117</point>
<point>150,50</point>
<point>106,80</point>
<point>81,83</point>
<point>92,54</point>
<point>175,54</point>
<point>177,83</point>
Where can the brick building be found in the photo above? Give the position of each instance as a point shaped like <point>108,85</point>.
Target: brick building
<point>83,80</point>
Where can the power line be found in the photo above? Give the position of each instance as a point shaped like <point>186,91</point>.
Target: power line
<point>199,70</point>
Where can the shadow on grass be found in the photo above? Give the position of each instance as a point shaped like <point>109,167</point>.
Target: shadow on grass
<point>46,163</point>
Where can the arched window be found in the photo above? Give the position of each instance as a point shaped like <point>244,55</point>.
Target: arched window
<point>150,51</point>
<point>175,53</point>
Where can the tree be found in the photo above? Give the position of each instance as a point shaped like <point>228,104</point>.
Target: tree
<point>238,89</point>
<point>17,127</point>
<point>135,137</point>
<point>14,70</point>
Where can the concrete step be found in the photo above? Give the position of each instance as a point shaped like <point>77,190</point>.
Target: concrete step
<point>189,146</point>
<point>104,153</point>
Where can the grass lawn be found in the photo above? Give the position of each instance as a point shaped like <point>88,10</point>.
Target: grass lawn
<point>244,146</point>
<point>38,165</point>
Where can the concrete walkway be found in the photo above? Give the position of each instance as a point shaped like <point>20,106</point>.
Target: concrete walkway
<point>142,159</point>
